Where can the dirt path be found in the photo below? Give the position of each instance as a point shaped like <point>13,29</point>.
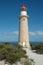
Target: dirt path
<point>38,58</point>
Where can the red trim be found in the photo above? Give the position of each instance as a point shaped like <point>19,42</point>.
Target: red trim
<point>23,6</point>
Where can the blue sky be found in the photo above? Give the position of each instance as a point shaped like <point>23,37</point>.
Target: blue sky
<point>9,19</point>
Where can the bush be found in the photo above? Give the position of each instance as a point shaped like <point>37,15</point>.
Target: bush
<point>38,47</point>
<point>11,53</point>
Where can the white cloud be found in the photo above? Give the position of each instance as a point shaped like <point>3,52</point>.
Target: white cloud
<point>15,32</point>
<point>36,33</point>
<point>40,33</point>
<point>11,33</point>
<point>32,33</point>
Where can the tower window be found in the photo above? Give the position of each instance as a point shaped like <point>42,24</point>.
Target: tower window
<point>24,19</point>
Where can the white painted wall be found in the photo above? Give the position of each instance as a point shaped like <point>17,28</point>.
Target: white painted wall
<point>23,13</point>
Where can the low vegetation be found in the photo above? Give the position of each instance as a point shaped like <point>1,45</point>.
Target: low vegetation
<point>38,47</point>
<point>11,52</point>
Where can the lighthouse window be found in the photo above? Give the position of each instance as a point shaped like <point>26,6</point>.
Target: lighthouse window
<point>23,18</point>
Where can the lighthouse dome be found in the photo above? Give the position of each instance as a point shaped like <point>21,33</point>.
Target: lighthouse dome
<point>23,6</point>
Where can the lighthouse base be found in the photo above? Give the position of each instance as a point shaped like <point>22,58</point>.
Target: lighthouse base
<point>24,44</point>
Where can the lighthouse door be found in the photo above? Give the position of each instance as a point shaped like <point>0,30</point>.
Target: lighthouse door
<point>24,44</point>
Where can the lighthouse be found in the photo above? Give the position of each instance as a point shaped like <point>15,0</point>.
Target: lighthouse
<point>23,27</point>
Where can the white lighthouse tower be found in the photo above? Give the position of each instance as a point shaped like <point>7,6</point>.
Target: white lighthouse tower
<point>23,28</point>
